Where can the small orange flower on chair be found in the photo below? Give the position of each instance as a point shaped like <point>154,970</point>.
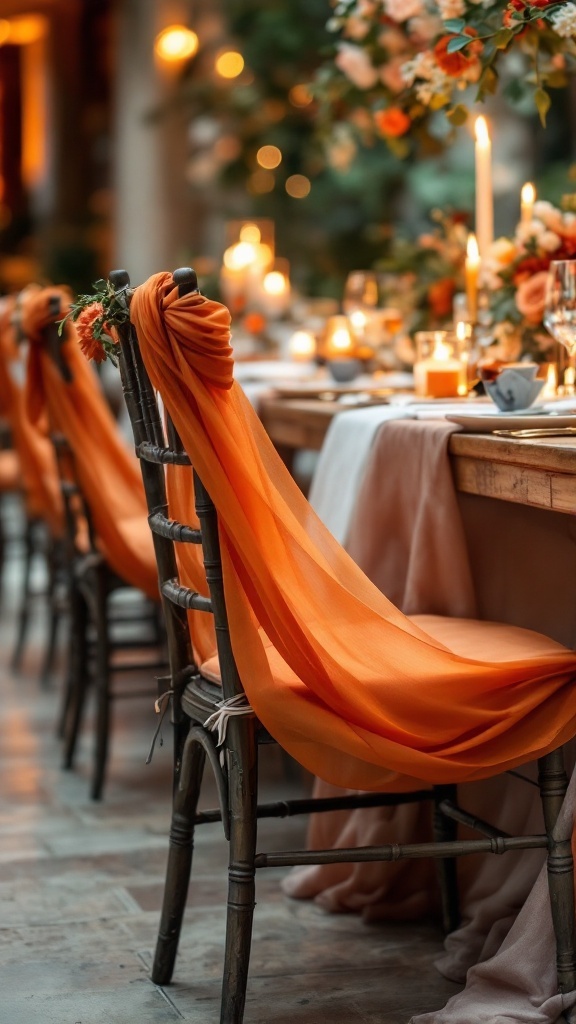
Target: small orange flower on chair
<point>92,347</point>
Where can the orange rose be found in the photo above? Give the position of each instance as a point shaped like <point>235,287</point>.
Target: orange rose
<point>92,347</point>
<point>392,122</point>
<point>455,64</point>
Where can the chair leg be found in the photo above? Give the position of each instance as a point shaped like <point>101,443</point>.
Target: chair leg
<point>185,801</point>
<point>102,679</point>
<point>445,830</point>
<point>74,698</point>
<point>2,545</point>
<point>57,599</point>
<point>553,784</point>
<point>26,596</point>
<point>243,797</point>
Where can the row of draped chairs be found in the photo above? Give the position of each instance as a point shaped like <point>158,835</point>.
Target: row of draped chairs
<point>269,631</point>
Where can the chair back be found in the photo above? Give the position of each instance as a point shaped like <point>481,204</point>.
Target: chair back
<point>158,446</point>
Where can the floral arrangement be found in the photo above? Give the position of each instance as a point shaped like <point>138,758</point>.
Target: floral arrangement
<point>96,317</point>
<point>515,274</point>
<point>397,62</point>
<point>425,275</point>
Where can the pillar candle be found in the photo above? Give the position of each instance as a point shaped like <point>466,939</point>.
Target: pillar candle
<point>484,198</point>
<point>472,271</point>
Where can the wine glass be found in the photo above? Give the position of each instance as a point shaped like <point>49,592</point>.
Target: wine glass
<point>560,304</point>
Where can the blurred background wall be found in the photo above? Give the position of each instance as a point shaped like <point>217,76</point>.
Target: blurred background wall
<point>115,151</point>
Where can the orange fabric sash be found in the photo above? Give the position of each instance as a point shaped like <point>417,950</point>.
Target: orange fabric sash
<point>108,474</point>
<point>359,694</point>
<point>40,482</point>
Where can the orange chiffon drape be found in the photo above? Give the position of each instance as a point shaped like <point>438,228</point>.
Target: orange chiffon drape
<point>108,473</point>
<point>356,691</point>
<point>38,469</point>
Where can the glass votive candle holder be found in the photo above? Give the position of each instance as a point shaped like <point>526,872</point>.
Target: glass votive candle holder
<point>439,370</point>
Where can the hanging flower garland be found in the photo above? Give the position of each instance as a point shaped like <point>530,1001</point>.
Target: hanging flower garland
<point>397,62</point>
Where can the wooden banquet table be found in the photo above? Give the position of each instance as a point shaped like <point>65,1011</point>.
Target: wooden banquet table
<point>514,505</point>
<point>537,472</point>
<point>517,500</point>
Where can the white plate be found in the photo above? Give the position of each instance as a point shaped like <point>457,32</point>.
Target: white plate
<point>475,424</point>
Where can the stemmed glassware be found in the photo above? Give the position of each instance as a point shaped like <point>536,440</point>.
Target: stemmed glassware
<point>560,305</point>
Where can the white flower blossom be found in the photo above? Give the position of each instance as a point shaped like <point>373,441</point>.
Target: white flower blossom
<point>549,241</point>
<point>550,215</point>
<point>563,21</point>
<point>530,231</point>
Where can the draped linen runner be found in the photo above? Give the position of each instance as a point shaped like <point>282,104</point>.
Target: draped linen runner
<point>40,482</point>
<point>108,474</point>
<point>342,461</point>
<point>357,692</point>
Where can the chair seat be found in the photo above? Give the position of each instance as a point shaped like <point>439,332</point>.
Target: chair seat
<point>10,473</point>
<point>469,638</point>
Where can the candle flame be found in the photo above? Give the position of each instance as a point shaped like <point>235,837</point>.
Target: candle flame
<point>358,319</point>
<point>528,193</point>
<point>274,283</point>
<point>462,331</point>
<point>472,251</point>
<point>442,351</point>
<point>250,233</point>
<point>482,134</point>
<point>302,344</point>
<point>341,339</point>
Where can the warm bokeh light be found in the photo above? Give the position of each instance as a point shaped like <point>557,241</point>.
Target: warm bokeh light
<point>269,157</point>
<point>274,283</point>
<point>250,233</point>
<point>298,186</point>
<point>528,193</point>
<point>299,96</point>
<point>239,256</point>
<point>4,30</point>
<point>176,43</point>
<point>302,346</point>
<point>230,64</point>
<point>227,148</point>
<point>23,30</point>
<point>261,182</point>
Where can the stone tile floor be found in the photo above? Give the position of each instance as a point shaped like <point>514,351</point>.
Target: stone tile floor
<point>81,883</point>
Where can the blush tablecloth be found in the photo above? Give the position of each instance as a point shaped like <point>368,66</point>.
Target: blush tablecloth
<point>407,533</point>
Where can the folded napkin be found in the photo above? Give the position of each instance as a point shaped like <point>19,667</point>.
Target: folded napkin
<point>342,461</point>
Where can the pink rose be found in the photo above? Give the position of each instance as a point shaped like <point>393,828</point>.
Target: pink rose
<point>355,63</point>
<point>401,10</point>
<point>531,297</point>
<point>391,74</point>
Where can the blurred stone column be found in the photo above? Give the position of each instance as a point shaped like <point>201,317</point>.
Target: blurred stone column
<point>152,200</point>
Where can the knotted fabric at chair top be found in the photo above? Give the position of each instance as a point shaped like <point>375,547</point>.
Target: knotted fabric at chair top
<point>108,473</point>
<point>356,691</point>
<point>40,482</point>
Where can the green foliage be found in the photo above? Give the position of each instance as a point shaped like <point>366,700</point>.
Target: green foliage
<point>339,225</point>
